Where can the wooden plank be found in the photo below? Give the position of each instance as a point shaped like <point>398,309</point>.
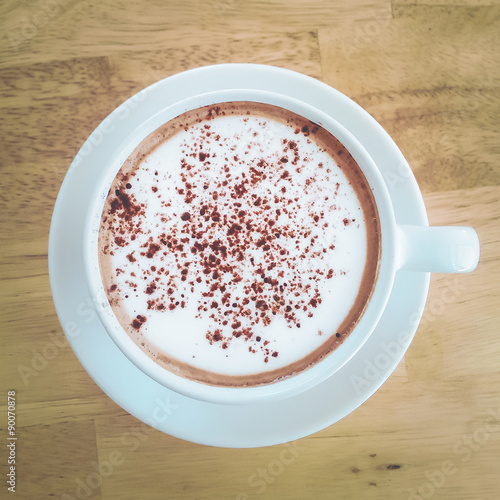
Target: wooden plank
<point>57,460</point>
<point>34,33</point>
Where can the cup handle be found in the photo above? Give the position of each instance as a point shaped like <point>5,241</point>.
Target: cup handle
<point>448,249</point>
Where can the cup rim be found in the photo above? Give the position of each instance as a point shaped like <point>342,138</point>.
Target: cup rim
<point>309,377</point>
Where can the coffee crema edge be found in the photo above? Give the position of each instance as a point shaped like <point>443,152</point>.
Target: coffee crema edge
<point>346,163</point>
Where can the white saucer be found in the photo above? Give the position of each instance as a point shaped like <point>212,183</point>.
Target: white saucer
<point>239,426</point>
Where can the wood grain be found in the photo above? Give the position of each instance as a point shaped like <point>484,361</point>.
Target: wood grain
<point>429,73</point>
<point>48,470</point>
<point>438,101</point>
<point>112,27</point>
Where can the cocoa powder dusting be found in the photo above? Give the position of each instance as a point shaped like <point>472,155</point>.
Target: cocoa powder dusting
<point>235,243</point>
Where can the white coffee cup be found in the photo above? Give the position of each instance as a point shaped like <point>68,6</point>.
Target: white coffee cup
<point>403,248</point>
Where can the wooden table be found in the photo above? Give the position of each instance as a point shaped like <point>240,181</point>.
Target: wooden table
<point>428,74</point>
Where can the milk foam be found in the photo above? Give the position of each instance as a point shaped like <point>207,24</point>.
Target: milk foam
<point>235,247</point>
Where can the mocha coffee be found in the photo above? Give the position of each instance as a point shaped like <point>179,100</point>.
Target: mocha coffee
<point>239,244</point>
